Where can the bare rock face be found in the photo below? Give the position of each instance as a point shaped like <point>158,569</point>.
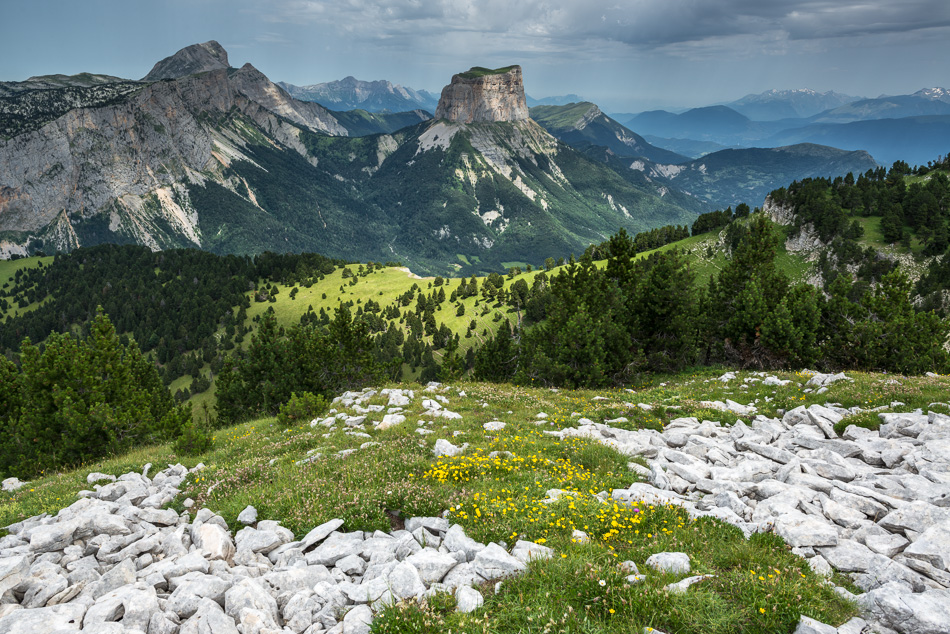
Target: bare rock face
<point>197,58</point>
<point>482,95</point>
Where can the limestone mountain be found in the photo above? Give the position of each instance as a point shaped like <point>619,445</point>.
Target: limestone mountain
<point>582,125</point>
<point>373,96</point>
<point>50,82</point>
<point>482,95</point>
<point>225,160</point>
<point>197,58</point>
<point>925,102</point>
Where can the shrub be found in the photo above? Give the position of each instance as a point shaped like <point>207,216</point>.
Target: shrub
<point>305,407</point>
<point>194,440</point>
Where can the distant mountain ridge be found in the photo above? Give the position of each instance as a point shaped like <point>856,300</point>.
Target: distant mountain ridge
<point>801,103</point>
<point>350,93</point>
<point>747,175</point>
<point>902,127</point>
<point>560,100</point>
<point>53,82</point>
<point>929,101</point>
<point>584,124</point>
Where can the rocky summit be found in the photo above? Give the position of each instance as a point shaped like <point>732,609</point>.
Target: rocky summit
<point>197,58</point>
<point>482,95</point>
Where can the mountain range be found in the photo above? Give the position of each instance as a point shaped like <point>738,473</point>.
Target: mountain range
<point>773,105</point>
<point>722,178</point>
<point>350,93</point>
<point>225,160</point>
<point>913,128</point>
<point>200,154</point>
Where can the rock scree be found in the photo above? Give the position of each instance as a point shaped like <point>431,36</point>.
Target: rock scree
<point>871,504</point>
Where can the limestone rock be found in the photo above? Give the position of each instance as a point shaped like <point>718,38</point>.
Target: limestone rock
<point>494,562</point>
<point>894,607</point>
<point>358,620</point>
<point>65,617</point>
<point>932,546</point>
<point>677,563</point>
<point>468,599</point>
<point>809,625</point>
<point>248,516</point>
<point>483,96</point>
<point>214,542</point>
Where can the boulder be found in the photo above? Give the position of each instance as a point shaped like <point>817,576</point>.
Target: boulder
<point>801,530</point>
<point>195,588</point>
<point>432,565</point>
<point>214,542</point>
<point>894,607</point>
<point>58,618</point>
<point>932,546</point>
<point>209,618</point>
<point>248,596</point>
<point>468,599</point>
<point>358,620</point>
<point>320,533</point>
<point>677,563</point>
<point>494,562</point>
<point>248,516</point>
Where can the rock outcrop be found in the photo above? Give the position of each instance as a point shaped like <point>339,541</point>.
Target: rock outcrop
<point>872,504</point>
<point>115,561</point>
<point>197,58</point>
<point>128,160</point>
<point>484,96</point>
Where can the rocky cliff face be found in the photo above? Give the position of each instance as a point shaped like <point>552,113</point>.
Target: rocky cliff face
<point>127,163</point>
<point>484,96</point>
<point>197,58</point>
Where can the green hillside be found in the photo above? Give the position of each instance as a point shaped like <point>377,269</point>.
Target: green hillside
<point>583,125</point>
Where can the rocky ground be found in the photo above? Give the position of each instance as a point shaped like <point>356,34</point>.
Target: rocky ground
<point>873,504</point>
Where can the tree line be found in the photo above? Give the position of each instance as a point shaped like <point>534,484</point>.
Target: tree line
<point>604,326</point>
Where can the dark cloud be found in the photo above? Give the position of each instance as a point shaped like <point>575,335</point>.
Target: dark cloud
<point>637,23</point>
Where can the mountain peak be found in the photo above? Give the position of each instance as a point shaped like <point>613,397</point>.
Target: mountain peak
<point>482,95</point>
<point>197,58</point>
<point>937,94</point>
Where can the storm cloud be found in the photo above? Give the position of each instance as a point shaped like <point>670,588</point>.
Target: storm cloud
<point>636,23</point>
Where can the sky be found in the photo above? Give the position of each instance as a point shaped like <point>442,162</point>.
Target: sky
<point>625,55</point>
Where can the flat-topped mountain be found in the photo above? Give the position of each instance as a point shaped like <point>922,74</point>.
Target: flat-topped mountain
<point>482,95</point>
<point>196,58</point>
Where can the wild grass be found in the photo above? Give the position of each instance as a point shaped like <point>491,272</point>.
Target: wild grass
<point>498,489</point>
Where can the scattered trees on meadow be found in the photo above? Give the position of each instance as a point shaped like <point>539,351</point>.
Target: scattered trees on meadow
<point>323,361</point>
<point>602,326</point>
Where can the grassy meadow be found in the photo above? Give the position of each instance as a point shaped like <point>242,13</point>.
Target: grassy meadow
<point>496,488</point>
